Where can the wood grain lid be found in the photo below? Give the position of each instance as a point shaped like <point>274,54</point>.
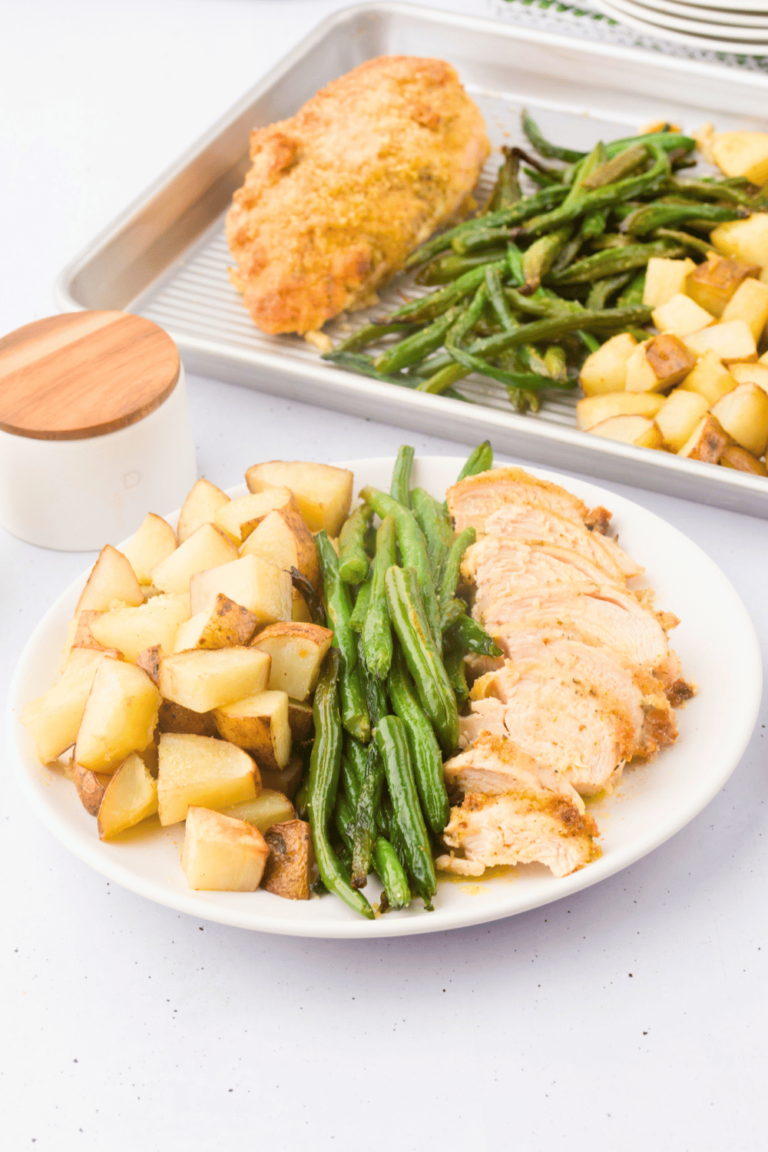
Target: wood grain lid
<point>84,374</point>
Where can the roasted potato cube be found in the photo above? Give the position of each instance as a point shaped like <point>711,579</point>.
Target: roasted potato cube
<point>664,279</point>
<point>199,508</point>
<point>710,379</point>
<point>79,657</point>
<point>287,780</point>
<point>738,458</point>
<point>83,637</point>
<point>707,441</point>
<point>271,807</point>
<point>679,416</point>
<point>636,430</point>
<point>300,720</point>
<point>658,364</point>
<point>208,547</point>
<point>743,414</point>
<point>681,315</point>
<point>729,341</point>
<point>221,854</point>
<point>324,493</point>
<point>742,154</point>
<point>606,369</point>
<point>756,373</point>
<point>133,630</point>
<point>260,724</point>
<point>297,651</point>
<point>745,240</point>
<point>203,679</point>
<point>149,660</point>
<point>90,786</point>
<point>196,770</point>
<point>239,518</point>
<point>112,581</point>
<point>183,721</point>
<point>283,538</point>
<point>713,284</point>
<point>750,303</point>
<point>226,625</point>
<point>290,860</point>
<point>54,718</point>
<point>153,541</point>
<point>130,797</point>
<point>594,409</point>
<point>119,718</point>
<point>255,584</point>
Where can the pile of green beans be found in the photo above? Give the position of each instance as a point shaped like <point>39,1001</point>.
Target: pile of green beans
<point>386,708</point>
<point>549,274</point>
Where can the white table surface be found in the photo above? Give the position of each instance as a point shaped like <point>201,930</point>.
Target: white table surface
<point>632,1015</point>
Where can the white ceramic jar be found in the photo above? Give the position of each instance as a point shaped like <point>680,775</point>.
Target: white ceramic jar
<point>94,429</point>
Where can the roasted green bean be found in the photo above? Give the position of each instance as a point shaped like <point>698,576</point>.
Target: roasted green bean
<point>392,743</point>
<point>353,559</point>
<point>354,711</point>
<point>391,873</point>
<point>376,634</point>
<point>425,751</point>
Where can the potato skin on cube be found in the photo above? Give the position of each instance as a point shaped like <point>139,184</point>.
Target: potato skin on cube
<point>740,460</point>
<point>196,770</point>
<point>176,718</point>
<point>707,442</point>
<point>226,625</point>
<point>221,854</point>
<point>90,786</point>
<point>713,283</point>
<point>288,868</point>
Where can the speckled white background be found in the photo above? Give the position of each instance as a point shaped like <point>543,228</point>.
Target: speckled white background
<point>633,1015</point>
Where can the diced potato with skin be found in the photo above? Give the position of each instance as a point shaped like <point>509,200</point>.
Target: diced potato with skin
<point>199,508</point>
<point>713,283</point>
<point>197,770</point>
<point>291,857</point>
<point>90,786</point>
<point>729,342</point>
<point>680,316</point>
<point>743,414</point>
<point>749,303</point>
<point>594,409</point>
<point>664,279</point>
<point>606,369</point>
<point>226,625</point>
<point>271,807</point>
<point>206,548</point>
<point>710,378</point>
<point>153,541</point>
<point>756,373</point>
<point>112,581</point>
<point>83,637</point>
<point>54,719</point>
<point>637,430</point>
<point>130,797</point>
<point>739,459</point>
<point>301,720</point>
<point>658,364</point>
<point>324,493</point>
<point>260,724</point>
<point>149,660</point>
<point>286,780</point>
<point>742,154</point>
<point>204,679</point>
<point>239,517</point>
<point>119,718</point>
<point>80,657</point>
<point>180,720</point>
<point>297,651</point>
<point>707,442</point>
<point>221,854</point>
<point>745,240</point>
<point>257,585</point>
<point>283,538</point>
<point>679,416</point>
<point>133,630</point>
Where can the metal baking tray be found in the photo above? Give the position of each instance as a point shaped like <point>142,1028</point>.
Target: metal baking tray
<point>166,256</point>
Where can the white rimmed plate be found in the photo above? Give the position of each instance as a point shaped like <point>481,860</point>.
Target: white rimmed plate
<point>735,8</point>
<point>719,651</point>
<point>713,17</point>
<point>696,27</point>
<point>718,43</point>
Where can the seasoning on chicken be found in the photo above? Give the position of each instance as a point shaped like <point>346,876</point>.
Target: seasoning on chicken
<point>514,811</point>
<point>340,194</point>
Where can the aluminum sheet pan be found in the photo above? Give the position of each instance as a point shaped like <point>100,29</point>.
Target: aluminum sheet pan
<point>166,257</point>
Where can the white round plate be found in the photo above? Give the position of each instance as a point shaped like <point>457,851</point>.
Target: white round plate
<point>697,27</point>
<point>646,27</point>
<point>736,7</point>
<point>719,651</point>
<point>715,18</point>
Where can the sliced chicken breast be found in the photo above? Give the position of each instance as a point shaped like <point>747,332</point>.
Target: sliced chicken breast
<point>472,501</point>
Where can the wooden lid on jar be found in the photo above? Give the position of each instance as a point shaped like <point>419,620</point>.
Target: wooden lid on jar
<point>83,374</point>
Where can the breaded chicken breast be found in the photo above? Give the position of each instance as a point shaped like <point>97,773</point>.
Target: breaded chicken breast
<point>339,195</point>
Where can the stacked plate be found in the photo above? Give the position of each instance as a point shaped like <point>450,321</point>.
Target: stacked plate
<point>739,26</point>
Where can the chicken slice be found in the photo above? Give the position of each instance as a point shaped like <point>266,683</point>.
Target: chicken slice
<point>514,811</point>
<point>472,501</point>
